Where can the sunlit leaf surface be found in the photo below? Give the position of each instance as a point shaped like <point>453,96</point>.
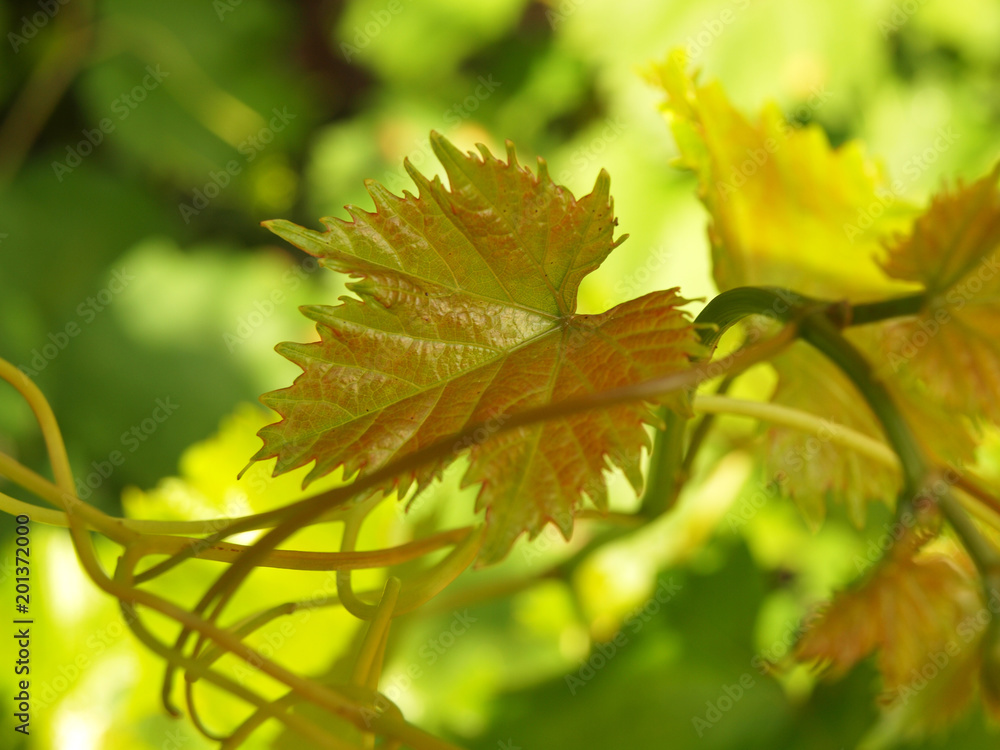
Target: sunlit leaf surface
<point>467,315</point>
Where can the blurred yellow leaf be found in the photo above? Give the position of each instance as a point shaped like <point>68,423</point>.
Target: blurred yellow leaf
<point>786,208</point>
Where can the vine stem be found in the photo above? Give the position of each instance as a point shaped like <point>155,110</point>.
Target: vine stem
<point>667,459</point>
<point>122,530</point>
<point>375,639</point>
<point>129,596</point>
<point>298,514</point>
<point>786,416</point>
<point>817,327</point>
<point>120,587</point>
<point>222,552</point>
<point>820,332</point>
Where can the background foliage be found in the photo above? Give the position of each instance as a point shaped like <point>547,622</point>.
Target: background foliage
<point>143,238</point>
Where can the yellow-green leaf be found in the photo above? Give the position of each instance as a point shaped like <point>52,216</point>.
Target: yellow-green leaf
<point>786,209</point>
<point>813,468</point>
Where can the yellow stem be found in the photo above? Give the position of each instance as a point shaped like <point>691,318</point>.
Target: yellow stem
<point>375,638</point>
<point>974,498</point>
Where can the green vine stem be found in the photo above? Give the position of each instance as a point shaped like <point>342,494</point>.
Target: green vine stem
<point>120,587</point>
<point>817,327</point>
<point>875,312</point>
<point>667,454</point>
<point>980,502</point>
<point>784,305</point>
<point>666,464</point>
<point>820,332</point>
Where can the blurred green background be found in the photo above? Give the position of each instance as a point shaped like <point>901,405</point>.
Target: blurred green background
<point>142,143</point>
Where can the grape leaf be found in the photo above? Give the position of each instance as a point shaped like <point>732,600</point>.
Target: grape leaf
<point>812,467</point>
<point>952,344</point>
<point>787,210</point>
<point>815,470</point>
<point>919,611</point>
<point>466,315</point>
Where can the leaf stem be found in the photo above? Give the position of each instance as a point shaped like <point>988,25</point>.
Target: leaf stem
<point>799,420</point>
<point>821,333</point>
<point>817,327</point>
<point>896,307</point>
<point>667,455</point>
<point>701,431</point>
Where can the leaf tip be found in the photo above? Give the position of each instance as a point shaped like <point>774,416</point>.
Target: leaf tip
<point>511,153</point>
<point>245,468</point>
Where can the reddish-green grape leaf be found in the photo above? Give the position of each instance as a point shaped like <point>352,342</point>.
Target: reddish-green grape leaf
<point>466,315</point>
<point>953,344</point>
<point>919,611</point>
